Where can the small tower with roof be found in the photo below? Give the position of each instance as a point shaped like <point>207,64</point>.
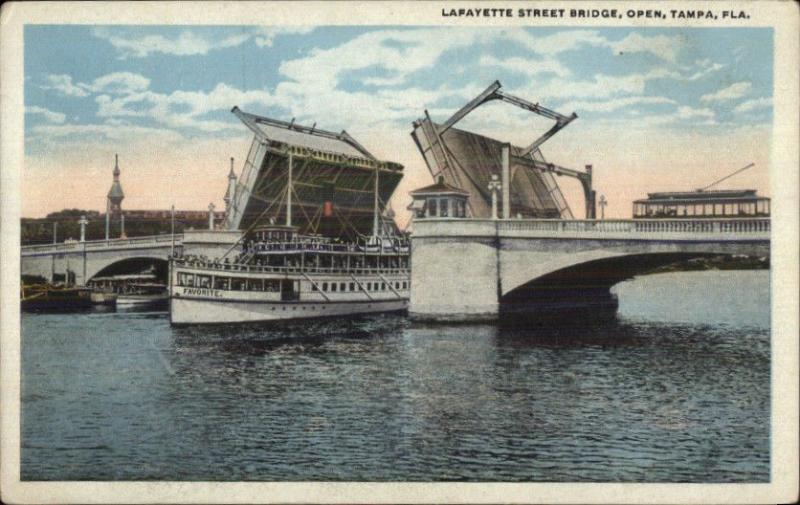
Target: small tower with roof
<point>230,194</point>
<point>115,194</point>
<point>114,200</point>
<point>439,200</point>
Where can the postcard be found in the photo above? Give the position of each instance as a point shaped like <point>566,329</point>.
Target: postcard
<point>399,252</point>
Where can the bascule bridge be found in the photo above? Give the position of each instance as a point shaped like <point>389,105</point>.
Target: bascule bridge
<point>516,245</point>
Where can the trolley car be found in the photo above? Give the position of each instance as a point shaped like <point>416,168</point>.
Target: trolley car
<point>702,204</point>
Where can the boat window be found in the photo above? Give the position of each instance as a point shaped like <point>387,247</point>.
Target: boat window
<point>237,284</point>
<point>443,207</point>
<point>333,286</point>
<point>203,281</point>
<point>324,286</point>
<point>341,286</point>
<point>352,286</point>
<point>185,279</point>
<point>221,283</point>
<point>383,286</point>
<point>272,286</point>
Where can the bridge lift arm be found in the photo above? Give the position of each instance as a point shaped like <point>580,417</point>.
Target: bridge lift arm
<point>493,93</point>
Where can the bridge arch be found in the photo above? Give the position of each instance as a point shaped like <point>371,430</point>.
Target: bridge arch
<point>133,264</point>
<point>587,282</point>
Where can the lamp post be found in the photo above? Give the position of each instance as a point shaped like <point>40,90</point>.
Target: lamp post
<point>602,203</point>
<point>83,222</point>
<point>494,186</point>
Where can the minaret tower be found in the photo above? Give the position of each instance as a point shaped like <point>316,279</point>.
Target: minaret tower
<point>115,197</point>
<point>230,194</point>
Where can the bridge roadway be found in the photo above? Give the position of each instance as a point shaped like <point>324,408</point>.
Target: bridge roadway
<point>95,258</point>
<point>465,269</point>
<point>469,269</point>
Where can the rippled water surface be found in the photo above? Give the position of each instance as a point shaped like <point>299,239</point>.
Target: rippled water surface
<point>677,390</point>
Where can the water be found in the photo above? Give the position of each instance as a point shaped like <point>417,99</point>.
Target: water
<point>677,390</point>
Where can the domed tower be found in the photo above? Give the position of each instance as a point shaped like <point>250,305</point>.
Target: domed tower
<point>230,193</point>
<point>114,200</point>
<point>115,194</point>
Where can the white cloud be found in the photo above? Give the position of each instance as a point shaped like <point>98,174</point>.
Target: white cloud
<point>706,67</point>
<point>182,109</point>
<point>265,36</point>
<point>690,116</point>
<point>188,43</point>
<point>119,83</point>
<point>601,85</point>
<point>556,43</point>
<point>663,46</point>
<point>47,114</point>
<point>118,133</point>
<point>185,44</point>
<point>614,104</point>
<point>758,103</point>
<point>732,92</point>
<point>527,66</point>
<point>63,84</point>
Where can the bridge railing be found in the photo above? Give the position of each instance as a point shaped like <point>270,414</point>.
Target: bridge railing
<point>76,246</point>
<point>722,226</point>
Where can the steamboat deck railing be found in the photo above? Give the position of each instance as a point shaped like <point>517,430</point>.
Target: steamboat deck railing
<point>227,268</point>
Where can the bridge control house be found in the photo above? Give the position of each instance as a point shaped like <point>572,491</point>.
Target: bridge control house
<point>439,200</point>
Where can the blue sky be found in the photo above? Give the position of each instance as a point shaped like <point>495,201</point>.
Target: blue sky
<point>114,87</point>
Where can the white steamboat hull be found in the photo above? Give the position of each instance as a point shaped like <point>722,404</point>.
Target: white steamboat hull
<point>210,311</point>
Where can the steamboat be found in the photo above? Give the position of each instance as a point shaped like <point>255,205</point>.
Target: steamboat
<point>281,274</point>
<point>325,263</point>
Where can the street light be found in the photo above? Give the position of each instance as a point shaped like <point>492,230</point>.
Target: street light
<point>603,202</point>
<point>493,187</point>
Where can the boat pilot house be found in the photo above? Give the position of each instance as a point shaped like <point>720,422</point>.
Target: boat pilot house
<point>700,204</point>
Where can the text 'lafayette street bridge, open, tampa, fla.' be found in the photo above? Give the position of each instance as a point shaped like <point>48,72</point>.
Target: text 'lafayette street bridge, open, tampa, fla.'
<point>468,268</point>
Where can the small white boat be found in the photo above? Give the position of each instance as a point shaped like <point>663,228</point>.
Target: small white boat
<point>144,296</point>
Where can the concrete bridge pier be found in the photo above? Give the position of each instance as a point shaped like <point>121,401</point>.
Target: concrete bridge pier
<point>454,280</point>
